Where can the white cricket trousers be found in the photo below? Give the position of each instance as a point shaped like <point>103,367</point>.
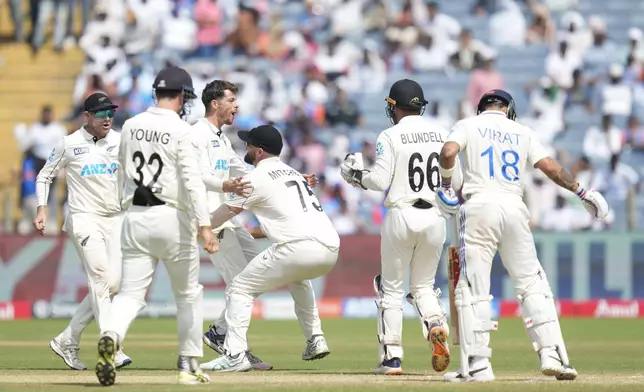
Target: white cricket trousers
<point>97,241</point>
<point>488,222</point>
<point>237,248</point>
<point>149,235</point>
<point>412,242</point>
<point>278,265</point>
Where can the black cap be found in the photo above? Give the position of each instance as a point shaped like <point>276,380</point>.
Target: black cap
<point>97,102</point>
<point>264,136</point>
<point>174,79</point>
<point>407,94</point>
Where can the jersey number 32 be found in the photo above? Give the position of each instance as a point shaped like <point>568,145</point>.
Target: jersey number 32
<point>417,175</point>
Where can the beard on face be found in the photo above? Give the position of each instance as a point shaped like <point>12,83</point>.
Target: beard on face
<point>250,158</point>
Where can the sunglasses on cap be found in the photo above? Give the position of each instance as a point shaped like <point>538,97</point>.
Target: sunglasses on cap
<point>104,114</point>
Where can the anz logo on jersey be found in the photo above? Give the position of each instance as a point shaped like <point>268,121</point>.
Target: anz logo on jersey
<point>221,164</point>
<point>99,169</point>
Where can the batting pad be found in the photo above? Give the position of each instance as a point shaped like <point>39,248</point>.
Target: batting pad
<point>475,322</point>
<point>429,309</point>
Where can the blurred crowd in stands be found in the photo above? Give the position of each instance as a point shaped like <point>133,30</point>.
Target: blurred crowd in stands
<point>307,65</point>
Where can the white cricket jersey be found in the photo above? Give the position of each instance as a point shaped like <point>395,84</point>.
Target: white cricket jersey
<point>156,152</point>
<point>407,161</point>
<point>285,205</point>
<point>91,172</point>
<point>495,152</point>
<point>218,162</point>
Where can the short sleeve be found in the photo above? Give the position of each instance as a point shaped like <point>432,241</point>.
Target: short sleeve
<point>536,151</point>
<point>457,135</point>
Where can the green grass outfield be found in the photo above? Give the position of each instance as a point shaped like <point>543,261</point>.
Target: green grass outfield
<point>609,355</point>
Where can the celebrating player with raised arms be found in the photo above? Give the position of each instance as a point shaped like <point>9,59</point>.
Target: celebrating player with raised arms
<point>495,152</point>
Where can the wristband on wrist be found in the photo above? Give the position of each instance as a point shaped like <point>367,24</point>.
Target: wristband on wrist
<point>445,172</point>
<point>581,192</point>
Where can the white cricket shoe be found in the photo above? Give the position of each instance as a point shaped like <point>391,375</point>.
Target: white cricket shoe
<point>480,371</point>
<point>190,373</point>
<point>389,367</point>
<point>228,363</point>
<point>552,365</point>
<point>316,348</point>
<point>68,354</point>
<point>121,360</point>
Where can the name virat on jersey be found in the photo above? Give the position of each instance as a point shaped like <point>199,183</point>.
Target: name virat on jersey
<point>421,137</point>
<point>501,137</point>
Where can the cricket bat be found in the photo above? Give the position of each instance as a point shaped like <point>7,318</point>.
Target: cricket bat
<point>453,272</point>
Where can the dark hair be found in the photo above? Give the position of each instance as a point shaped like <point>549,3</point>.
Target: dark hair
<point>169,94</point>
<point>215,90</point>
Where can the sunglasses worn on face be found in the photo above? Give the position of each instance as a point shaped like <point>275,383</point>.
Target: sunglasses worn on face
<point>104,114</point>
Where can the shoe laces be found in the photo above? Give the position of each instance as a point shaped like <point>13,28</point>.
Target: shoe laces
<point>252,357</point>
<point>72,351</point>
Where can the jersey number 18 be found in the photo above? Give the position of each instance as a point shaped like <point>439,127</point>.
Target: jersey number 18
<point>417,175</point>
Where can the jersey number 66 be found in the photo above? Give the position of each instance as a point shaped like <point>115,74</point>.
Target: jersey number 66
<point>416,174</point>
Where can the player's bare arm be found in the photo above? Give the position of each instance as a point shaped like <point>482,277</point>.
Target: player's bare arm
<point>447,160</point>
<point>593,201</point>
<point>557,173</point>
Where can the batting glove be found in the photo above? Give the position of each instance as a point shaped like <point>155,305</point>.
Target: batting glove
<point>352,170</point>
<point>448,201</point>
<point>593,202</point>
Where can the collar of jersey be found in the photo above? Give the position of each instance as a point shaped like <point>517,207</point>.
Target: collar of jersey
<point>412,117</point>
<point>268,160</point>
<point>165,112</point>
<point>212,127</point>
<point>494,112</point>
<point>88,136</point>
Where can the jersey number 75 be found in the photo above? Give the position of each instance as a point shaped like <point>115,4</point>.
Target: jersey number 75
<point>417,175</point>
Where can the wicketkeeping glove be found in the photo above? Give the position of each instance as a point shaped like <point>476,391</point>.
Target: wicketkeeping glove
<point>352,170</point>
<point>593,202</point>
<point>448,202</point>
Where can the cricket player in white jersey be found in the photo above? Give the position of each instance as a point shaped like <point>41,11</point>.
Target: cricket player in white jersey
<point>221,169</point>
<point>496,152</point>
<point>163,194</point>
<point>304,243</point>
<point>89,158</point>
<point>413,231</point>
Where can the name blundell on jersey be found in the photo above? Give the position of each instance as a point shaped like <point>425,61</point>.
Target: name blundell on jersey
<point>421,137</point>
<point>276,174</point>
<point>150,135</point>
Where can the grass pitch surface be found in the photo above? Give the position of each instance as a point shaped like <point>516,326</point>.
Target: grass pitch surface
<point>609,355</point>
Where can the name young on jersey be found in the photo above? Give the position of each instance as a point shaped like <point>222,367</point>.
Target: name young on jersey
<point>150,135</point>
<point>421,137</point>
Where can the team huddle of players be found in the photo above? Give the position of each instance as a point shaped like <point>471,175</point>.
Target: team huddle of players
<point>171,187</point>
